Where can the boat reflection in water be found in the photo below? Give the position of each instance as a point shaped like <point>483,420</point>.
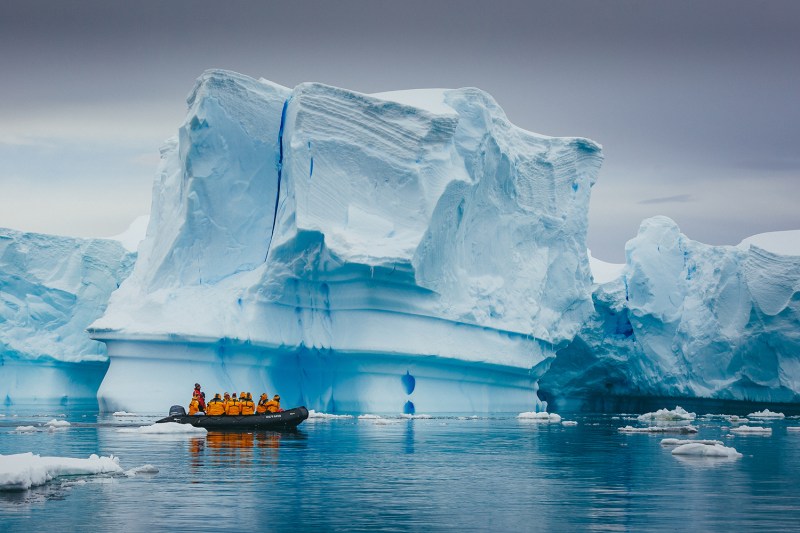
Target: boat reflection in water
<point>241,448</point>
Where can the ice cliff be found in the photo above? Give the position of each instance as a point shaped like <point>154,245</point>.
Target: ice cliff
<point>51,289</point>
<point>401,251</point>
<point>686,319</point>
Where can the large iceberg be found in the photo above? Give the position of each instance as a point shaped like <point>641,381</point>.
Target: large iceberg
<point>370,253</point>
<point>51,289</point>
<point>686,319</point>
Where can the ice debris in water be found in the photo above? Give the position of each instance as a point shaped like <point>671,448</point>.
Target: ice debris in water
<point>793,428</point>
<point>368,417</point>
<point>423,416</point>
<point>681,442</point>
<point>58,423</point>
<point>165,428</point>
<point>25,429</point>
<point>676,415</point>
<point>744,430</point>
<point>312,414</point>
<point>540,417</point>
<point>22,471</point>
<point>123,413</point>
<point>766,413</point>
<point>700,449</point>
<point>659,429</point>
<point>569,423</point>
<point>144,469</point>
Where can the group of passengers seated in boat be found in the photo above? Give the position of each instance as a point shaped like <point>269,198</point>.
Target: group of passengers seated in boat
<point>231,405</point>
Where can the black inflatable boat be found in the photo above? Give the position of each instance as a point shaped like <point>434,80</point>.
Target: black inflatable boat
<point>288,419</point>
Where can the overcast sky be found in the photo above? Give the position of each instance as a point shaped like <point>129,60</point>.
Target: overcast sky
<point>696,103</point>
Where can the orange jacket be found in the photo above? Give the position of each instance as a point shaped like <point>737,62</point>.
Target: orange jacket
<point>262,405</point>
<point>273,406</point>
<point>233,407</point>
<point>248,407</point>
<point>215,407</point>
<point>194,406</point>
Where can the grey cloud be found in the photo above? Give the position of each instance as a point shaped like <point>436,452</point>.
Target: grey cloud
<point>678,198</point>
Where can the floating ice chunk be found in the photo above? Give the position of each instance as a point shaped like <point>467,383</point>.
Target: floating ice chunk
<point>25,429</point>
<point>699,449</point>
<point>793,428</point>
<point>659,429</point>
<point>733,419</point>
<point>744,430</point>
<point>123,413</point>
<point>540,417</point>
<point>423,416</point>
<point>25,470</point>
<point>681,442</point>
<point>58,423</point>
<point>676,415</point>
<point>144,469</point>
<point>165,428</point>
<point>569,423</point>
<point>368,417</point>
<point>312,414</point>
<point>766,413</point>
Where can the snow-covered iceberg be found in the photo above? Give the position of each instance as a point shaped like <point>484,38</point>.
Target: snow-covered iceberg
<point>686,319</point>
<point>362,253</point>
<point>51,289</point>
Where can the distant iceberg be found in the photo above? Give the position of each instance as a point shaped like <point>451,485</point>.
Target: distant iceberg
<point>686,319</point>
<point>402,252</point>
<point>51,289</point>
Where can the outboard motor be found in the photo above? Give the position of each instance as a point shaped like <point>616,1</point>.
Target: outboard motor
<point>177,410</point>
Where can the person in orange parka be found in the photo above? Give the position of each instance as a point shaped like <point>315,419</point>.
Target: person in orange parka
<point>234,407</point>
<point>262,404</point>
<point>194,406</point>
<point>248,407</point>
<point>274,405</point>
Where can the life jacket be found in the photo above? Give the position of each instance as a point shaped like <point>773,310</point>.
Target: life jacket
<point>262,405</point>
<point>194,406</point>
<point>233,407</point>
<point>273,406</point>
<point>248,407</point>
<point>216,407</point>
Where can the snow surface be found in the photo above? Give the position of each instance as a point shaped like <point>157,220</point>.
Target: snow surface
<point>25,470</point>
<point>327,244</point>
<point>686,319</point>
<point>776,242</point>
<point>165,428</point>
<point>706,450</point>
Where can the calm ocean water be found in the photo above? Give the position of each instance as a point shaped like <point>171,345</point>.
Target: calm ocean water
<point>437,474</point>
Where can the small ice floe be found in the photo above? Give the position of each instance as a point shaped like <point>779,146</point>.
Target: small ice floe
<point>423,416</point>
<point>25,429</point>
<point>368,417</point>
<point>540,417</point>
<point>144,469</point>
<point>793,428</point>
<point>678,414</point>
<point>312,415</point>
<point>165,428</point>
<point>766,413</point>
<point>698,449</point>
<point>751,430</point>
<point>733,419</point>
<point>22,471</point>
<point>569,423</point>
<point>123,413</point>
<point>681,442</point>
<point>659,429</point>
<point>57,424</point>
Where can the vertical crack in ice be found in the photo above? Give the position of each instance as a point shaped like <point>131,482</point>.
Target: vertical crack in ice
<point>280,174</point>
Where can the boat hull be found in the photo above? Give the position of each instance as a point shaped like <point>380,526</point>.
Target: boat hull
<point>288,419</point>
